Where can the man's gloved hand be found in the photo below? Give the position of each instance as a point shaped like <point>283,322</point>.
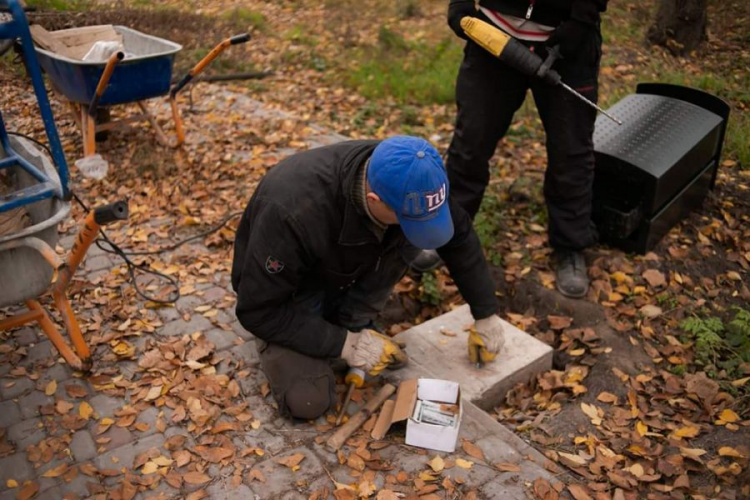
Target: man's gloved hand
<point>457,10</point>
<point>570,36</point>
<point>372,352</point>
<point>486,339</point>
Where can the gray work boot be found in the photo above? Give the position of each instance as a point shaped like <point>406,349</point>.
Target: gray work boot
<point>426,261</point>
<point>571,275</point>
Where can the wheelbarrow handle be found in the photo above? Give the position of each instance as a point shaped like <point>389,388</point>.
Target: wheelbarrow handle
<point>110,213</point>
<point>198,68</point>
<point>104,80</point>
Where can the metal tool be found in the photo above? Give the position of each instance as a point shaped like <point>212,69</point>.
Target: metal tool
<point>355,378</point>
<point>515,54</point>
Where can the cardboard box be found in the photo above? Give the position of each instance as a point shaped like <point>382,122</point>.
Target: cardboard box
<point>406,408</point>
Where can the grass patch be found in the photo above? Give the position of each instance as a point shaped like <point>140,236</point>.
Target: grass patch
<point>246,17</point>
<point>412,73</point>
<point>61,5</point>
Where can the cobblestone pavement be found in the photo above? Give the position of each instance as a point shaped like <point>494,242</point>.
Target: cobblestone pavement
<point>176,406</point>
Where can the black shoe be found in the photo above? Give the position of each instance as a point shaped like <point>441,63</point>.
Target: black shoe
<point>426,261</point>
<point>571,275</point>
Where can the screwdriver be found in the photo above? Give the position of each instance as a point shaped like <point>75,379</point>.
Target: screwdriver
<point>354,379</point>
<point>516,55</point>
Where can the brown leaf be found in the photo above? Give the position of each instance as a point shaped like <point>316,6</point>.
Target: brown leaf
<point>224,426</point>
<point>607,397</point>
<point>559,322</point>
<point>507,467</point>
<point>214,455</point>
<point>292,460</point>
<point>257,475</point>
<point>654,277</point>
<point>75,391</point>
<point>28,491</point>
<point>56,471</point>
<point>579,492</point>
<point>355,462</point>
<point>472,450</point>
<point>196,477</point>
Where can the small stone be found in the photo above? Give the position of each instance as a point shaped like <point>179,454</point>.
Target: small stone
<point>9,414</point>
<point>82,446</point>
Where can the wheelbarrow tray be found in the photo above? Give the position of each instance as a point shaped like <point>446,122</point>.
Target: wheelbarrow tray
<point>146,71</point>
<point>24,274</point>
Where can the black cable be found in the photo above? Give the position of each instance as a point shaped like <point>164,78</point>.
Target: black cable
<point>133,268</point>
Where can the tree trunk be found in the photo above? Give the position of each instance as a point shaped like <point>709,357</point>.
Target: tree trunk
<point>680,25</point>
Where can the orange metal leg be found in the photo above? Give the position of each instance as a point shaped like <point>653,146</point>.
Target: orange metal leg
<point>18,320</point>
<point>54,335</point>
<point>177,121</point>
<point>74,331</point>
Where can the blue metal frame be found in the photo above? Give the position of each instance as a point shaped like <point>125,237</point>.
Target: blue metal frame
<point>18,27</point>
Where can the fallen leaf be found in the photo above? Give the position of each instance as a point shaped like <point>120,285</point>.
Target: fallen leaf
<point>196,477</point>
<point>149,468</point>
<point>728,451</point>
<point>607,397</point>
<point>687,431</point>
<point>572,460</point>
<point>51,388</point>
<point>654,277</point>
<point>257,475</point>
<point>579,492</point>
<point>56,471</point>
<point>11,483</point>
<point>464,464</point>
<point>592,412</point>
<point>728,415</point>
<point>507,467</point>
<point>437,464</point>
<point>651,311</point>
<point>85,410</point>
<point>28,491</point>
<point>292,460</point>
<point>472,450</point>
<point>559,322</point>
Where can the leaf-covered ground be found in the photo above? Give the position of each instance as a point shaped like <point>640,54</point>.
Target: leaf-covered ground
<point>650,395</point>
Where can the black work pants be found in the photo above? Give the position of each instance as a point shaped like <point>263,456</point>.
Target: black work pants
<point>303,386</point>
<point>488,93</point>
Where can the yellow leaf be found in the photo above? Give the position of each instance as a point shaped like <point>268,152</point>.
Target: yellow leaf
<point>427,477</point>
<point>464,464</point>
<point>687,431</point>
<point>577,352</point>
<point>255,424</point>
<point>740,382</point>
<point>153,393</point>
<point>728,416</point>
<point>51,388</point>
<point>437,464</point>
<point>641,428</point>
<point>728,451</point>
<point>11,483</point>
<point>636,470</point>
<point>150,467</point>
<point>85,410</point>
<point>162,461</point>
<point>592,412</point>
<point>56,471</point>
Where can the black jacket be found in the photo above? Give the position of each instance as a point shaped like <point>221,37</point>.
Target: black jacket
<point>550,12</point>
<point>302,231</point>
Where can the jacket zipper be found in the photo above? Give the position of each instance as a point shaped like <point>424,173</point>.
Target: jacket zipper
<point>530,9</point>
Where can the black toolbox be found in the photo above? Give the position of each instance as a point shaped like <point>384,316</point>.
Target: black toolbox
<point>656,167</point>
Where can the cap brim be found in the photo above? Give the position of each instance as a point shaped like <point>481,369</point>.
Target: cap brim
<point>431,233</point>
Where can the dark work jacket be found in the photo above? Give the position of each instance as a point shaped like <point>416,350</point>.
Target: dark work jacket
<point>550,12</point>
<point>302,217</point>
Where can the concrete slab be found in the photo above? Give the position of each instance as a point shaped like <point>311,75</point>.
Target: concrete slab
<point>433,353</point>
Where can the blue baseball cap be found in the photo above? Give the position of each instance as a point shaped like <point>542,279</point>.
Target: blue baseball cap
<point>408,175</point>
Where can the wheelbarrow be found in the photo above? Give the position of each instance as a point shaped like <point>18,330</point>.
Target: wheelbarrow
<point>142,71</point>
<point>29,265</point>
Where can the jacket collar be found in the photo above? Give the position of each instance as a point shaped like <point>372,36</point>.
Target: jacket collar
<point>357,228</point>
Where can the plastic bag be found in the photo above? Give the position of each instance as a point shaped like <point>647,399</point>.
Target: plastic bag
<point>102,50</point>
<point>93,167</point>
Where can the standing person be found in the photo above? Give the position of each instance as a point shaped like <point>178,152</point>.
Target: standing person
<point>324,239</point>
<point>488,93</point>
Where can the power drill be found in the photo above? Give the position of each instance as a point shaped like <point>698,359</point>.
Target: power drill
<point>516,55</point>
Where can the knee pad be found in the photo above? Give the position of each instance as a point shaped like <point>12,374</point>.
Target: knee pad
<point>308,399</point>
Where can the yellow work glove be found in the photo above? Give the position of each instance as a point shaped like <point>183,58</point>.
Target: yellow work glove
<point>486,339</point>
<point>372,352</point>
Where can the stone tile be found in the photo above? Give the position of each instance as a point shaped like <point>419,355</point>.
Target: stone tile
<point>83,446</point>
<point>188,303</point>
<point>79,383</point>
<point>280,479</point>
<point>247,353</point>
<point>220,338</point>
<point>31,403</point>
<point>26,432</point>
<point>148,416</point>
<point>438,356</point>
<point>214,294</point>
<point>511,488</point>
<point>168,314</point>
<point>105,406</point>
<point>15,467</point>
<point>10,414</point>
<point>40,352</point>
<point>53,493</point>
<point>97,263</point>
<point>223,490</point>
<point>11,388</point>
<point>181,327</point>
<point>124,455</point>
<point>117,437</point>
<point>79,486</point>
<point>27,335</point>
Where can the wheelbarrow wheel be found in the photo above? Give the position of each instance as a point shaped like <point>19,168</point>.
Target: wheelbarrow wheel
<point>102,117</point>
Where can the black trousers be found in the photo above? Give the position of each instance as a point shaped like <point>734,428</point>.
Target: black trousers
<point>488,93</point>
<point>303,386</point>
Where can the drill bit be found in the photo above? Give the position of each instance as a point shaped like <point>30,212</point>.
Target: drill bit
<point>572,91</point>
<point>347,398</point>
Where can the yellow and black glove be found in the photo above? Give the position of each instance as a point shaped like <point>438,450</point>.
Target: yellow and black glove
<point>486,340</point>
<point>372,352</point>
